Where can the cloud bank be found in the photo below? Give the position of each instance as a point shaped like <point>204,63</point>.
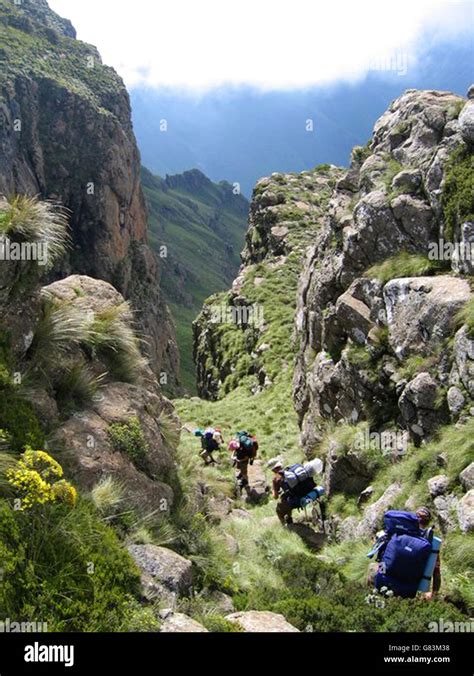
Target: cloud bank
<point>268,44</point>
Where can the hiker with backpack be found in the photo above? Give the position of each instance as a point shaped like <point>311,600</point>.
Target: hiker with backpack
<point>244,449</point>
<point>407,555</point>
<point>211,441</point>
<point>294,488</point>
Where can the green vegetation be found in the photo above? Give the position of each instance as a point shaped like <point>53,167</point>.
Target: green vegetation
<point>457,199</point>
<point>404,264</point>
<point>78,578</point>
<point>466,316</point>
<point>50,56</point>
<point>27,219</point>
<point>361,153</point>
<point>128,438</point>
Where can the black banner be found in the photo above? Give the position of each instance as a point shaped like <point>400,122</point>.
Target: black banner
<point>89,654</point>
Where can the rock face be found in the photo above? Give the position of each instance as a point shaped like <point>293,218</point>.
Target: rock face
<point>355,332</point>
<point>90,455</point>
<point>165,574</point>
<point>420,311</point>
<point>66,134</point>
<point>255,621</point>
<point>286,212</point>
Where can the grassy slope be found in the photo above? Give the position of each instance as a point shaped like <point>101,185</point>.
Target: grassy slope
<point>203,226</point>
<point>64,60</point>
<point>258,577</point>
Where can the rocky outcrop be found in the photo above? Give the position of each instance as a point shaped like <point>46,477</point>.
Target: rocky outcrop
<point>254,621</point>
<point>66,133</point>
<point>165,575</point>
<point>90,455</point>
<point>286,213</point>
<point>390,201</point>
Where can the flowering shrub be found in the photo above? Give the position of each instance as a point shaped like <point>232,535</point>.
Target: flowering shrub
<point>37,480</point>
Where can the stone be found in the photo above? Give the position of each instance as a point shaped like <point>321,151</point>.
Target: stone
<point>421,311</point>
<point>466,122</point>
<point>418,406</point>
<point>446,507</point>
<point>408,180</point>
<point>365,495</point>
<point>438,485</point>
<point>371,521</point>
<point>466,512</point>
<point>177,623</point>
<point>456,400</point>
<point>163,571</point>
<point>467,477</point>
<point>254,621</point>
<point>462,372</point>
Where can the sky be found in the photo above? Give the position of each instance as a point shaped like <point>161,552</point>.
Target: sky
<point>268,44</point>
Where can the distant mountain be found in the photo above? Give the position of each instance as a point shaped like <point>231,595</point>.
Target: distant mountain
<point>202,225</point>
<point>241,134</point>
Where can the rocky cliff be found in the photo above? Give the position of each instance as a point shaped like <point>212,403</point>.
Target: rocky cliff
<point>407,193</point>
<point>66,133</point>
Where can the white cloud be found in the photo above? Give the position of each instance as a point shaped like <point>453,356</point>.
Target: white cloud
<point>271,44</point>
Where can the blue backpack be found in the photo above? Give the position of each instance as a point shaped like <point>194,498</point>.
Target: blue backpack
<point>404,555</point>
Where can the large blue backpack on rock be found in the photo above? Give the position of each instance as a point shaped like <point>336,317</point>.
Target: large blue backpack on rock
<point>403,555</point>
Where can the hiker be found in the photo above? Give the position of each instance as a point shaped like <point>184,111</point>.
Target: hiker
<point>407,555</point>
<point>423,515</point>
<point>244,449</point>
<point>211,441</point>
<point>294,488</point>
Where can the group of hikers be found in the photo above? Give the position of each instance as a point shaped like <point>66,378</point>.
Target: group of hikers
<point>406,552</point>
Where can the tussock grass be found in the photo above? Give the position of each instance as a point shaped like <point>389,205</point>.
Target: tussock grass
<point>107,495</point>
<point>112,337</point>
<point>401,265</point>
<point>28,219</point>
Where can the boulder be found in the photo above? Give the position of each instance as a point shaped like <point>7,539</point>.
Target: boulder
<point>456,400</point>
<point>446,507</point>
<point>462,372</point>
<point>438,485</point>
<point>95,293</point>
<point>254,621</point>
<point>418,406</point>
<point>408,181</point>
<point>466,122</point>
<point>164,573</point>
<point>313,540</point>
<point>371,521</point>
<point>258,488</point>
<point>466,512</point>
<point>177,623</point>
<point>467,477</point>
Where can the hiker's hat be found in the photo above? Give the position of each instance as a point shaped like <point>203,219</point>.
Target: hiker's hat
<point>277,466</point>
<point>234,445</point>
